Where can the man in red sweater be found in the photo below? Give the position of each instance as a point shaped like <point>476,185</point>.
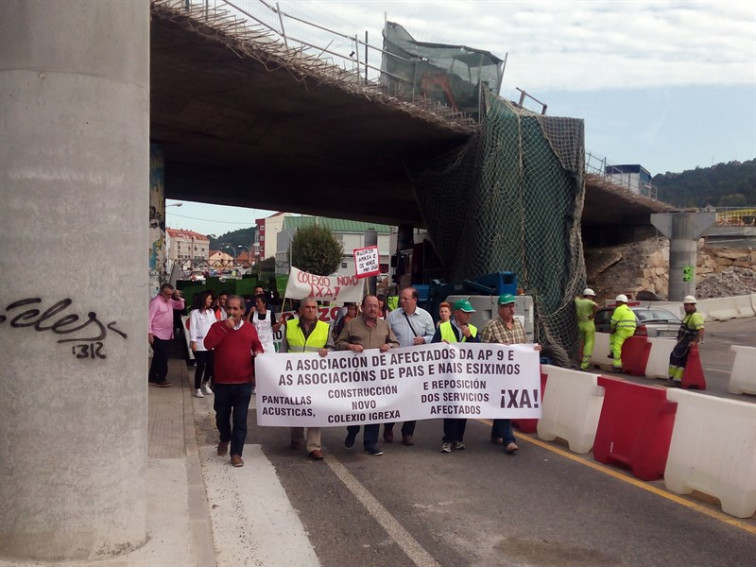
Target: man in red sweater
<point>234,342</point>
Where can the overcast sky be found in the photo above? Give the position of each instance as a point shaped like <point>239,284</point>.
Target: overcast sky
<point>668,85</point>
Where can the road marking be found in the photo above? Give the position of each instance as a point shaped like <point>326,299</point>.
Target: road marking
<point>409,545</point>
<point>721,516</point>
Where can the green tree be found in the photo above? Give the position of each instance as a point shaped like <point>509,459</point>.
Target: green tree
<point>314,249</point>
<point>732,200</point>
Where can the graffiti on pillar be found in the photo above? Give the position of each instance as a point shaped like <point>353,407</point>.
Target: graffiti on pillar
<point>157,217</point>
<point>687,273</point>
<point>86,334</point>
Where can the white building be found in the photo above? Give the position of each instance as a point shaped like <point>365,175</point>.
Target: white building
<point>351,234</point>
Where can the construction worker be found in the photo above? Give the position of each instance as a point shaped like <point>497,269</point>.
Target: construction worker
<point>691,333</point>
<point>586,309</point>
<point>623,326</point>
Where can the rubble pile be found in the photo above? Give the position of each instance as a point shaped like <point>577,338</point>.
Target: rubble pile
<point>732,281</point>
<point>644,266</point>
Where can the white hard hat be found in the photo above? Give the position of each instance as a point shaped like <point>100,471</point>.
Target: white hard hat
<point>621,298</point>
<point>588,291</point>
<point>689,299</point>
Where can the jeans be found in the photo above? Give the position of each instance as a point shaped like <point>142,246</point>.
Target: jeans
<point>454,430</point>
<point>503,428</point>
<point>231,406</point>
<point>204,370</point>
<point>159,364</point>
<point>408,428</point>
<point>370,437</point>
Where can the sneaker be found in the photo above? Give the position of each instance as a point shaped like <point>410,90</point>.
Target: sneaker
<point>375,451</point>
<point>446,447</point>
<point>349,441</point>
<point>511,448</point>
<point>497,440</point>
<point>222,448</point>
<point>198,393</point>
<point>459,446</point>
<point>236,461</point>
<point>206,389</point>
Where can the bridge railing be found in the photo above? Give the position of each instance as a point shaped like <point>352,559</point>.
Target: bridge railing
<point>735,216</point>
<point>360,60</point>
<point>597,165</point>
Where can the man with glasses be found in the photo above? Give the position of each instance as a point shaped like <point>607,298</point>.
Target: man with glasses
<point>413,326</point>
<point>364,332</point>
<point>161,331</point>
<point>506,330</point>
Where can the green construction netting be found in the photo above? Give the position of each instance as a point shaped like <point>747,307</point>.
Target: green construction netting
<point>511,200</point>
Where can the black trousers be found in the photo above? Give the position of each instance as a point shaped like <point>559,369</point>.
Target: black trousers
<point>204,369</point>
<point>159,364</point>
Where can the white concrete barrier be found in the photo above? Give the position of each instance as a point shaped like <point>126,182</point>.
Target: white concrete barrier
<point>658,359</point>
<point>713,450</point>
<point>743,375</point>
<point>571,407</point>
<point>743,306</point>
<point>720,309</point>
<point>600,357</point>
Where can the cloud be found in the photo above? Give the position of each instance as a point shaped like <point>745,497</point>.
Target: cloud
<point>587,45</point>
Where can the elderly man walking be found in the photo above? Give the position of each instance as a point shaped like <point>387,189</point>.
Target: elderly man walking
<point>506,330</point>
<point>365,332</point>
<point>161,331</point>
<point>235,342</point>
<point>413,326</point>
<point>457,330</point>
<point>307,334</point>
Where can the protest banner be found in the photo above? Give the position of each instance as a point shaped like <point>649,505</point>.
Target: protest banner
<point>337,288</point>
<point>427,382</point>
<point>366,262</point>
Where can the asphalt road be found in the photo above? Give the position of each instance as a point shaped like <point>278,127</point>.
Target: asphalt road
<point>543,506</point>
<point>716,356</point>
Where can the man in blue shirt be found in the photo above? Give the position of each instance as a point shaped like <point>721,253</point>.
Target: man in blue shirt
<point>412,326</point>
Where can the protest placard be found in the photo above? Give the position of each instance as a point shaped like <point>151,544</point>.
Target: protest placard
<point>366,262</point>
<point>426,382</point>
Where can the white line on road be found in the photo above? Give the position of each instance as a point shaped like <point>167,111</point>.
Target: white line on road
<point>254,523</point>
<point>402,537</point>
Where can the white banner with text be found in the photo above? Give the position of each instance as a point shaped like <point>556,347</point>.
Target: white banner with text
<point>338,288</point>
<point>475,380</point>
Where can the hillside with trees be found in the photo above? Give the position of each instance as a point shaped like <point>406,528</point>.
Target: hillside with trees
<point>242,237</point>
<point>730,184</point>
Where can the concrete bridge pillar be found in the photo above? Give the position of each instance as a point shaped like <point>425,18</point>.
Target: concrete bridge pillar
<point>74,183</point>
<point>683,231</point>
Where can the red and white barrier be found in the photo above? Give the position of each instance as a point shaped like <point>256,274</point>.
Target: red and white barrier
<point>713,450</point>
<point>658,359</point>
<point>743,375</point>
<point>571,408</point>
<point>600,351</point>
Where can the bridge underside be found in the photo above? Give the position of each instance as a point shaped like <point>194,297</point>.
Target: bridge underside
<point>241,125</point>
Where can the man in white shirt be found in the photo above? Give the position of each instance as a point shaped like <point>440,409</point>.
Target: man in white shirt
<point>412,326</point>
